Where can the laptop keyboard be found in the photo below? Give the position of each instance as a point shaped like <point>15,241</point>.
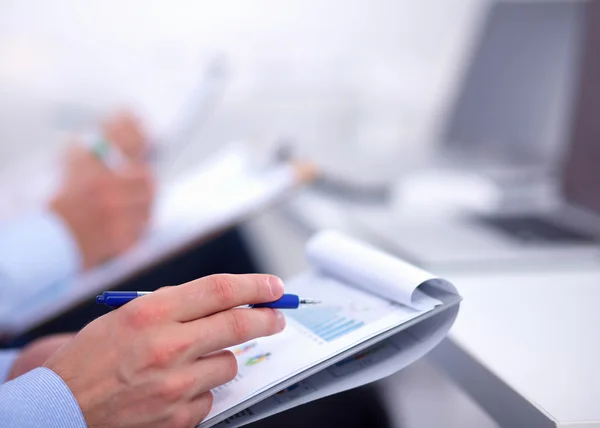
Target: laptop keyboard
<point>535,230</point>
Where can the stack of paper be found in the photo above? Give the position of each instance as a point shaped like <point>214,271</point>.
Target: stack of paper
<point>378,314</point>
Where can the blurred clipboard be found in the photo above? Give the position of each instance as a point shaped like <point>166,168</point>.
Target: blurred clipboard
<point>224,190</point>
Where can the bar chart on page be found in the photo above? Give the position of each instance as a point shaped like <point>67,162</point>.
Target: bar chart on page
<point>327,323</point>
<point>342,311</point>
<point>330,322</point>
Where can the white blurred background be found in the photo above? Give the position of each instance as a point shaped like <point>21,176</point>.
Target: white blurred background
<point>373,76</point>
<point>369,77</point>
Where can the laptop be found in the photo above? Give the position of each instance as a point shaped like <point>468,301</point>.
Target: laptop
<point>508,119</point>
<point>564,230</point>
<point>514,100</point>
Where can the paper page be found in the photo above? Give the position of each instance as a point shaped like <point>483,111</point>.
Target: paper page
<point>370,269</point>
<point>222,187</point>
<point>346,317</point>
<point>374,363</point>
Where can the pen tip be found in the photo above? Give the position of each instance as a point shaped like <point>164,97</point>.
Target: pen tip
<point>310,302</point>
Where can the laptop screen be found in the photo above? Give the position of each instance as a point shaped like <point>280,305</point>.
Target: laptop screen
<point>581,173</point>
<point>514,101</point>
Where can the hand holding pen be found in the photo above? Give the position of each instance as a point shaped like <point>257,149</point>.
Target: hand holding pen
<point>169,344</point>
<point>104,204</point>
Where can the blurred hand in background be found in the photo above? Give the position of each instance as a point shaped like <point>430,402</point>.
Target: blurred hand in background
<point>107,209</point>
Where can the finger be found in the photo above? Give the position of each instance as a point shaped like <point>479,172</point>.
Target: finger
<point>216,293</point>
<point>213,370</point>
<point>202,375</point>
<point>230,328</point>
<point>126,133</point>
<point>200,407</point>
<point>82,163</point>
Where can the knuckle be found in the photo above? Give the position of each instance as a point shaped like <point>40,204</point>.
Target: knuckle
<point>161,355</point>
<point>172,390</point>
<point>168,351</point>
<point>270,326</point>
<point>139,315</point>
<point>180,345</point>
<point>240,327</point>
<point>262,285</point>
<point>222,288</point>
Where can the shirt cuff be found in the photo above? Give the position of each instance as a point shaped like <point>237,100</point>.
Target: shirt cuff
<point>7,358</point>
<point>39,398</point>
<point>37,250</point>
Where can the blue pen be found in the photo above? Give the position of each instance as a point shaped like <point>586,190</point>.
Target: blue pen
<point>115,299</point>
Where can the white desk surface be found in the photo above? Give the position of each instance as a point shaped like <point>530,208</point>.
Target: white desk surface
<point>537,333</point>
<point>540,334</point>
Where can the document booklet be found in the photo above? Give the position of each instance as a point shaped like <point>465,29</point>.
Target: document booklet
<point>377,315</point>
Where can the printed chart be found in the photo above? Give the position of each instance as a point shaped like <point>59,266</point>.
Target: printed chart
<point>327,323</point>
<point>340,314</point>
<point>343,310</point>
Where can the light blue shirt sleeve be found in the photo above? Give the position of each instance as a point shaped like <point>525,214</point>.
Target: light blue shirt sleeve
<point>36,250</point>
<point>39,398</point>
<point>7,358</point>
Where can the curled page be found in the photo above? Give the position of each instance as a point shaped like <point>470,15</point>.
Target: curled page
<point>363,266</point>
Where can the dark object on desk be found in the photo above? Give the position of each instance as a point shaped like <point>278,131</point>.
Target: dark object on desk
<point>530,229</point>
<point>349,187</point>
<point>356,408</point>
<point>341,189</point>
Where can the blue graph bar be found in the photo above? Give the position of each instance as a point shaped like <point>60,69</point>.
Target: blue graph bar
<point>324,330</point>
<point>334,330</point>
<point>341,333</point>
<point>327,323</point>
<point>312,321</point>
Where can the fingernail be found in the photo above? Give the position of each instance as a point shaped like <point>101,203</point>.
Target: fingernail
<point>276,285</point>
<point>280,320</point>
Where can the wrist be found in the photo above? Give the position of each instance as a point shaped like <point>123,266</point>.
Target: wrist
<point>61,209</point>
